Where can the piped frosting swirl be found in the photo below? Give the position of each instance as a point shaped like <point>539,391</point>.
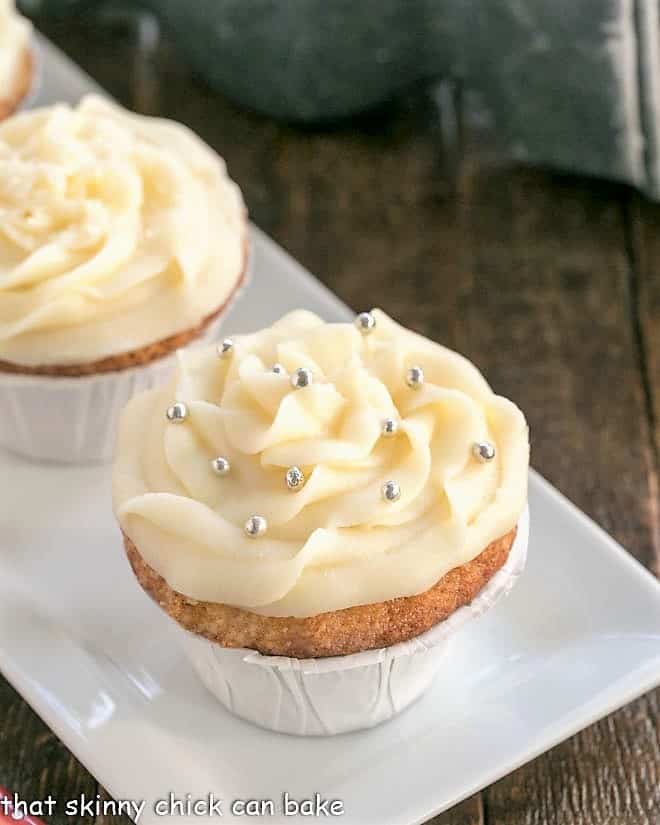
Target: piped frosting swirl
<point>116,231</point>
<point>337,541</point>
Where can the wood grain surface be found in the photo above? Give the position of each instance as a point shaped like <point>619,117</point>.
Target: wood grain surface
<point>549,282</point>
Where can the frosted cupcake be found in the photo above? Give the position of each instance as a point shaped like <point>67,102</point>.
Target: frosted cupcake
<point>322,490</point>
<point>121,239</point>
<point>16,58</point>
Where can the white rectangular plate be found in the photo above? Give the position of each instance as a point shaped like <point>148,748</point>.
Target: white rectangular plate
<point>578,637</point>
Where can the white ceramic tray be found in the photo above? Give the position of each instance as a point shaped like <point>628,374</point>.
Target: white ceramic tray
<point>578,637</point>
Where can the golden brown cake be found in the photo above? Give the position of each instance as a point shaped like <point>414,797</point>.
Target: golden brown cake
<point>22,84</point>
<point>337,633</point>
<point>16,58</point>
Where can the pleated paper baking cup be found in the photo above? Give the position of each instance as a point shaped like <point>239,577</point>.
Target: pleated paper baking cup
<point>74,420</point>
<point>321,697</point>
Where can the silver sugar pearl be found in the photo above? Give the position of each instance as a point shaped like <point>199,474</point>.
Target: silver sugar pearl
<point>225,348</point>
<point>301,378</point>
<point>483,451</point>
<point>390,427</point>
<point>278,369</point>
<point>256,526</point>
<point>365,322</point>
<point>177,412</point>
<point>295,478</point>
<point>415,377</point>
<point>221,465</point>
<point>391,491</point>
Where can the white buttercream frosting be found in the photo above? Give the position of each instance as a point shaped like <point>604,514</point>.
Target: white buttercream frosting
<point>336,542</point>
<point>15,32</point>
<point>116,231</point>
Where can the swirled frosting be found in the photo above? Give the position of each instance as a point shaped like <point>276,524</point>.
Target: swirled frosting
<point>116,231</point>
<point>336,542</point>
<point>15,33</point>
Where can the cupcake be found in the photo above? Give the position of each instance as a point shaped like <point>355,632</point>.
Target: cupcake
<point>121,240</point>
<point>317,506</point>
<point>16,58</point>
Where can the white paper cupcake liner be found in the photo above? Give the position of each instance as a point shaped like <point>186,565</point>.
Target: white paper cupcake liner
<point>74,420</point>
<point>316,697</point>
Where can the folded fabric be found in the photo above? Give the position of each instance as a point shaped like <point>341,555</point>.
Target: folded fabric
<point>570,85</point>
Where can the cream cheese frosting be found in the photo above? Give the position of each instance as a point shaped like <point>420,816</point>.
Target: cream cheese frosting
<point>116,231</point>
<point>336,542</point>
<point>15,33</point>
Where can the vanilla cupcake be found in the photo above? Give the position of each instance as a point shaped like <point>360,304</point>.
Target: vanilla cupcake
<point>315,490</point>
<point>16,58</point>
<point>121,239</point>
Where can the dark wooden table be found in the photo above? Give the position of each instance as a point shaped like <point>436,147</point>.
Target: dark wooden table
<point>548,282</point>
